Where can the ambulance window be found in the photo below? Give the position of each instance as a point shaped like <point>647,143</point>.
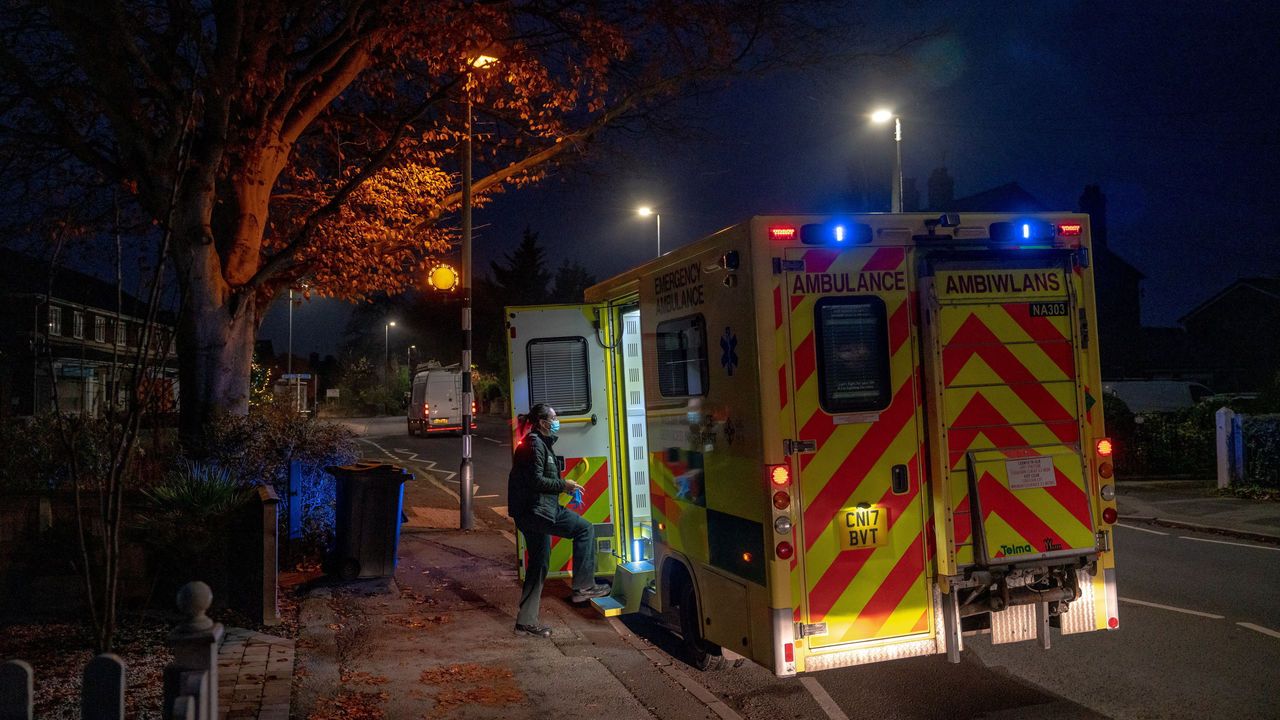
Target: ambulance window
<point>558,374</point>
<point>853,354</point>
<point>682,357</point>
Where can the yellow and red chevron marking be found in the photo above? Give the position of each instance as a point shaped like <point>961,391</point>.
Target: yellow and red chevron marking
<point>876,592</point>
<point>1009,383</point>
<point>593,474</point>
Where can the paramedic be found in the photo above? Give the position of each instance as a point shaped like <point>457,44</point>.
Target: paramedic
<point>533,494</point>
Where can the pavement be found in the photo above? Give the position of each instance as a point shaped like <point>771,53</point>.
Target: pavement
<point>1196,505</point>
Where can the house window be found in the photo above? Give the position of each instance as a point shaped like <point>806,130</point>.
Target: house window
<point>558,375</point>
<point>55,321</point>
<point>682,357</point>
<point>121,336</point>
<point>99,329</point>
<point>77,324</point>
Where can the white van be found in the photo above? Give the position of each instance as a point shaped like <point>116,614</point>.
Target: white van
<point>1147,396</point>
<point>435,404</point>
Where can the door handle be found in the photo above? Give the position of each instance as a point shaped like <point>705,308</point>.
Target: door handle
<point>901,480</point>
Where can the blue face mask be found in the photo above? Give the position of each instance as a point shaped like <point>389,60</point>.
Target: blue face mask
<point>555,425</point>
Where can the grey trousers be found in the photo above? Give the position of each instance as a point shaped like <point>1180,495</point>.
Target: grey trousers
<point>537,537</point>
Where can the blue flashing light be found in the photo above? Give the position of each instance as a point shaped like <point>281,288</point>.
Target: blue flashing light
<point>1024,233</point>
<point>836,233</point>
<point>839,231</point>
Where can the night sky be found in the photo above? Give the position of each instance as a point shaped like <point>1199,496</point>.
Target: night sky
<point>1165,105</point>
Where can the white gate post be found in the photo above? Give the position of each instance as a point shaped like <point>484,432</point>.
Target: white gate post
<point>195,648</point>
<point>1224,445</point>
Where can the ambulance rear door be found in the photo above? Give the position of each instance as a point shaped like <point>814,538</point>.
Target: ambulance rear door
<point>557,357</point>
<point>857,454</point>
<point>1004,381</point>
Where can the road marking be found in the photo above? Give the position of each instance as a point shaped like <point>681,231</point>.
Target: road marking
<point>428,468</point>
<point>483,497</point>
<point>508,536</point>
<point>1259,628</point>
<point>495,442</point>
<point>1224,542</point>
<point>1144,603</point>
<point>1132,527</point>
<point>825,702</point>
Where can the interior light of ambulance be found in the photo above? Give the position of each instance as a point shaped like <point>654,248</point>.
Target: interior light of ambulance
<point>784,550</point>
<point>1109,516</point>
<point>782,233</point>
<point>1070,229</point>
<point>780,475</point>
<point>1105,470</point>
<point>835,233</point>
<point>1104,447</point>
<point>781,500</point>
<point>782,525</point>
<point>747,557</point>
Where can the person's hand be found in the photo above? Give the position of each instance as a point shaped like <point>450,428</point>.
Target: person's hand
<point>571,486</point>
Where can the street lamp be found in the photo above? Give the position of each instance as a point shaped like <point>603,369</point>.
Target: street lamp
<point>646,211</point>
<point>386,350</point>
<point>408,359</point>
<point>466,473</point>
<point>297,390</point>
<point>881,117</point>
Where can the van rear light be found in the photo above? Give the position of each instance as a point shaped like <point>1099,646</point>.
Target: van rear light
<point>779,475</point>
<point>1104,447</point>
<point>784,550</point>
<point>781,500</point>
<point>1109,516</point>
<point>1105,470</point>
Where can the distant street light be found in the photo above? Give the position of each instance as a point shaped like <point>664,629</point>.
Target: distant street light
<point>881,117</point>
<point>386,349</point>
<point>408,359</point>
<point>646,211</point>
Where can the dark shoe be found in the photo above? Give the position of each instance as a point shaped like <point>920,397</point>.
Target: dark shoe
<point>595,591</point>
<point>537,630</point>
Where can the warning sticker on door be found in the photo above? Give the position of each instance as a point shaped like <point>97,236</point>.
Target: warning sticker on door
<point>1027,473</point>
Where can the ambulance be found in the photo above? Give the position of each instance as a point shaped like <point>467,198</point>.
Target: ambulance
<point>822,441</point>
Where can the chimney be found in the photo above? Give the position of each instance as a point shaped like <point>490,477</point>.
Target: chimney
<point>941,189</point>
<point>1093,202</point>
<point>910,195</point>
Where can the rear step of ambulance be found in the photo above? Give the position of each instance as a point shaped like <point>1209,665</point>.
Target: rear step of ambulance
<point>630,581</point>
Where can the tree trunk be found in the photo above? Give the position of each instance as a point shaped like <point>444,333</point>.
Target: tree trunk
<point>216,331</point>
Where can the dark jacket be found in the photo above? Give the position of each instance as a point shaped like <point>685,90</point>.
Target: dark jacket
<point>534,485</point>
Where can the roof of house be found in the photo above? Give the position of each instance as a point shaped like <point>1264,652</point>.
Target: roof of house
<point>1009,197</point>
<point>22,274</point>
<point>1269,286</point>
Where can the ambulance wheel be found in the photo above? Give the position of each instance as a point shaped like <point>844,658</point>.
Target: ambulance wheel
<point>700,654</point>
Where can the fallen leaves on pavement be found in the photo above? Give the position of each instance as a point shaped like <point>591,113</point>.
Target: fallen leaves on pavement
<point>471,684</point>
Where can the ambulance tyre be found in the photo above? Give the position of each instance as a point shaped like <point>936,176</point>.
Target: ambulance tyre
<point>701,654</point>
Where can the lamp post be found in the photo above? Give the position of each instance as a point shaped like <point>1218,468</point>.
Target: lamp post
<point>408,359</point>
<point>386,352</point>
<point>880,117</point>
<point>466,472</point>
<point>297,390</point>
<point>646,211</point>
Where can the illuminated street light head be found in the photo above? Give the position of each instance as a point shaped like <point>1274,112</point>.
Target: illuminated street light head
<point>644,211</point>
<point>391,324</point>
<point>480,61</point>
<point>881,116</point>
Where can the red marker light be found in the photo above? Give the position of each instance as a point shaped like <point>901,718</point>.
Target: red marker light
<point>1109,516</point>
<point>782,233</point>
<point>1070,229</point>
<point>1113,623</point>
<point>1105,447</point>
<point>1105,470</point>
<point>784,550</point>
<point>789,652</point>
<point>781,500</point>
<point>780,475</point>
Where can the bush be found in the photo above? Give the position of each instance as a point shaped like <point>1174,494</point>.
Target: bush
<point>34,455</point>
<point>258,448</point>
<point>1262,450</point>
<point>183,515</point>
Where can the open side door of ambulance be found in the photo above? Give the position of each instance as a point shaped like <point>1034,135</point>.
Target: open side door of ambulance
<point>1004,340</point>
<point>557,357</point>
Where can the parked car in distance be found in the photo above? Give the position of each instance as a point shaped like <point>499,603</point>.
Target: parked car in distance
<point>1148,396</point>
